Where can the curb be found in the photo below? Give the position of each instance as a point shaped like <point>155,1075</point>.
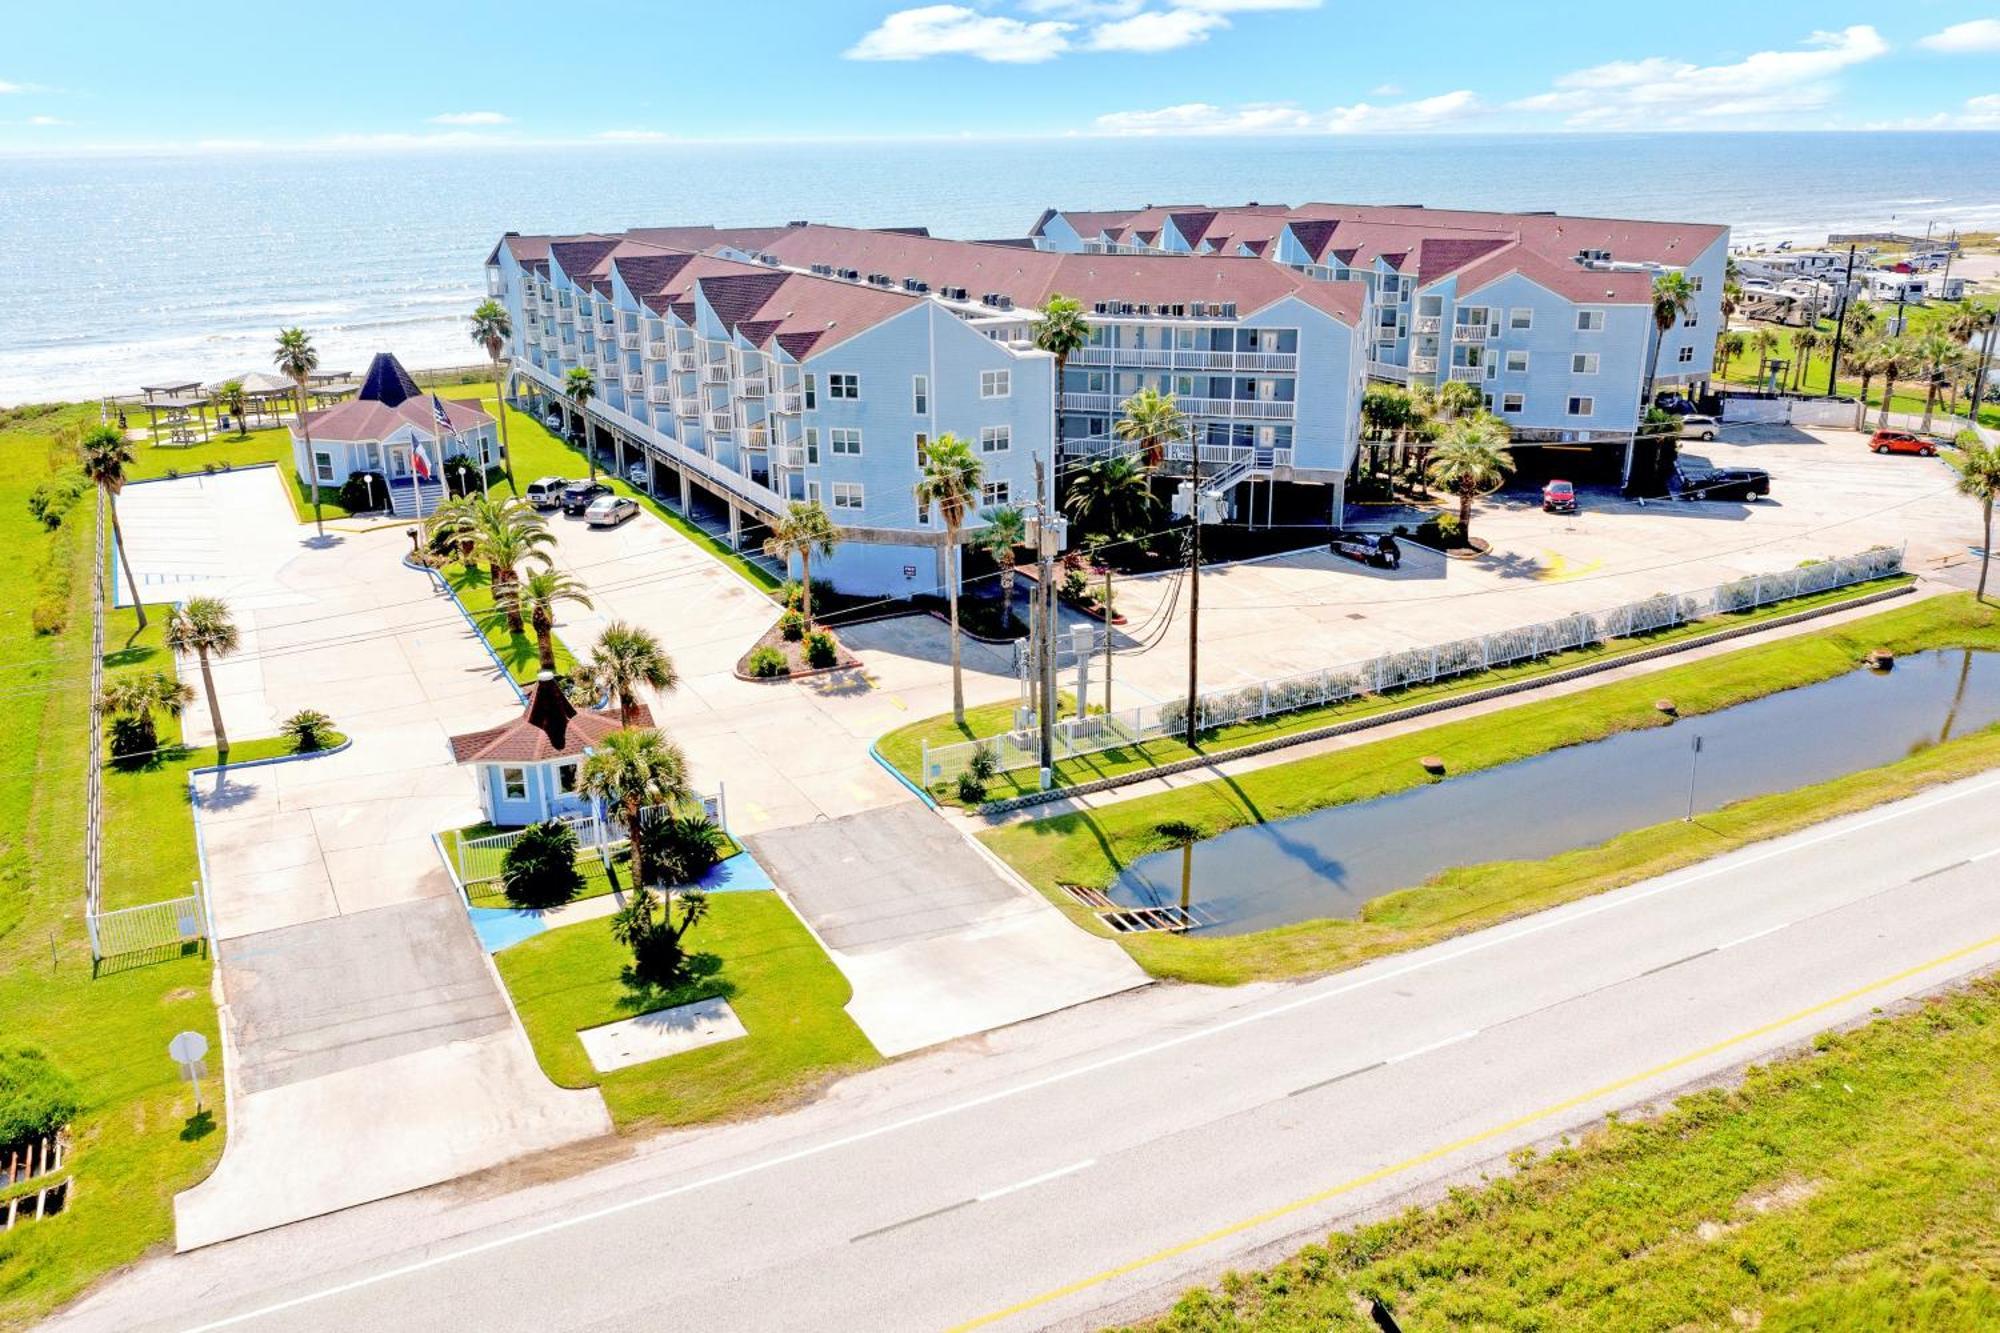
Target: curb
<point>901,777</point>
<point>1022,802</point>
<point>477,633</point>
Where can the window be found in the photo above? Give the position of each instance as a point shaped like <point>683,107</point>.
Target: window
<point>995,439</point>
<point>566,777</point>
<point>923,450</point>
<point>812,392</point>
<point>1521,317</point>
<point>812,492</point>
<point>1583,363</point>
<point>995,383</point>
<point>845,442</point>
<point>1693,318</point>
<point>1695,281</point>
<point>843,386</point>
<point>514,783</point>
<point>920,393</point>
<point>1589,321</point>
<point>993,493</point>
<point>847,495</point>
<point>1512,402</point>
<point>1686,356</point>
<point>1517,361</point>
<point>1581,407</point>
<point>323,465</point>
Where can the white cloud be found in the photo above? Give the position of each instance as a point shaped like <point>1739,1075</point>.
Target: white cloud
<point>1976,36</point>
<point>1978,113</point>
<point>1089,11</point>
<point>1243,6</point>
<point>1156,30</point>
<point>634,136</point>
<point>46,120</point>
<point>940,30</point>
<point>1428,113</point>
<point>471,118</point>
<point>1760,91</point>
<point>6,87</point>
<point>1386,90</point>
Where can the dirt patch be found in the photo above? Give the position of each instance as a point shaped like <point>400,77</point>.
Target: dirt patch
<point>179,995</point>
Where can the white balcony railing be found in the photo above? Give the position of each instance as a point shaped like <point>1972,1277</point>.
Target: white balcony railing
<point>564,315</point>
<point>660,393</point>
<point>1424,365</point>
<point>751,388</point>
<point>629,340</point>
<point>635,383</point>
<point>684,361</point>
<point>1086,402</point>
<point>754,437</point>
<point>789,455</point>
<point>720,422</point>
<point>1427,323</point>
<point>687,407</point>
<point>1468,372</point>
<point>1185,358</point>
<point>789,401</point>
<point>1468,333</point>
<point>716,372</point>
<point>656,351</point>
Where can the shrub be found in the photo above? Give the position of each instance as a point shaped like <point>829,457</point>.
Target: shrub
<point>1442,532</point>
<point>683,848</point>
<point>970,789</point>
<point>133,739</point>
<point>50,616</point>
<point>460,477</point>
<point>36,1098</point>
<point>50,501</point>
<point>822,594</point>
<point>792,625</point>
<point>540,868</point>
<point>985,763</point>
<point>308,730</point>
<point>766,662</point>
<point>820,649</point>
<point>357,496</point>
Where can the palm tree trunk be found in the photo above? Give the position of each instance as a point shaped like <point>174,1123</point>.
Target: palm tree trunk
<point>1888,392</point>
<point>506,449</point>
<point>545,640</point>
<point>509,597</point>
<point>806,588</point>
<point>1861,403</point>
<point>214,708</point>
<point>1652,367</point>
<point>1986,561</point>
<point>951,590</point>
<point>625,709</point>
<point>1930,398</point>
<point>638,845</point>
<point>312,464</point>
<point>125,559</point>
<point>1465,514</point>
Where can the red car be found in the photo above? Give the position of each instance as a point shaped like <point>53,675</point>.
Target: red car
<point>1903,442</point>
<point>1559,497</point>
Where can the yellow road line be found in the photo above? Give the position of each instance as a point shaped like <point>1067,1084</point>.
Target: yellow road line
<point>1469,1141</point>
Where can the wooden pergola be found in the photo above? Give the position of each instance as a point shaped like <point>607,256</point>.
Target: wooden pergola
<point>179,411</point>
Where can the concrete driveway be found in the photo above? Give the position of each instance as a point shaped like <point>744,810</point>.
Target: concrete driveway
<point>368,1046</point>
<point>937,941</point>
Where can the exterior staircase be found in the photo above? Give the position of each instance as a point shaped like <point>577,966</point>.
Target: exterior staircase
<point>411,497</point>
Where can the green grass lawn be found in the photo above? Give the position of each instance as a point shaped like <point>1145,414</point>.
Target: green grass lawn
<point>786,991</point>
<point>1848,1188</point>
<point>538,452</point>
<point>1091,847</point>
<point>137,1143</point>
<point>1909,397</point>
<point>904,746</point>
<point>474,589</point>
<point>596,882</point>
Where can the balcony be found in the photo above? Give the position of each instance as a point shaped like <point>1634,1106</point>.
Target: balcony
<point>1468,373</point>
<point>754,437</point>
<point>1427,323</point>
<point>629,340</point>
<point>656,351</point>
<point>564,315</point>
<point>687,407</point>
<point>789,455</point>
<point>716,372</point>
<point>720,423</point>
<point>1424,365</point>
<point>1283,362</point>
<point>789,402</point>
<point>684,361</point>
<point>1086,402</point>
<point>1468,333</point>
<point>635,384</point>
<point>751,388</point>
<point>660,393</point>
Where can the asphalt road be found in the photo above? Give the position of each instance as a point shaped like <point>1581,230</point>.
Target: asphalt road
<point>1092,1168</point>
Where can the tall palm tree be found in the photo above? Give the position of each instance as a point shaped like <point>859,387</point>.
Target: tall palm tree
<point>202,626</point>
<point>1062,330</point>
<point>1110,498</point>
<point>493,329</point>
<point>511,534</point>
<point>630,771</point>
<point>1150,419</point>
<point>106,455</point>
<point>625,658</point>
<point>1933,351</point>
<point>1867,358</point>
<point>1004,533</point>
<point>542,592</point>
<point>580,386</point>
<point>296,359</point>
<point>1978,465</point>
<point>950,481</point>
<point>1728,346</point>
<point>1673,297</point>
<point>1732,289</point>
<point>1763,341</point>
<point>1898,357</point>
<point>1805,343</point>
<point>1471,456</point>
<point>1859,319</point>
<point>804,531</point>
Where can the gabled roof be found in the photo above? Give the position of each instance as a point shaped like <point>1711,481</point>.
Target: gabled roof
<point>549,728</point>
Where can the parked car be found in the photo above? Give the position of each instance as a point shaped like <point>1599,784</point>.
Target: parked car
<point>640,475</point>
<point>608,511</point>
<point>1694,426</point>
<point>1722,483</point>
<point>546,492</point>
<point>1903,442</point>
<point>1559,497</point>
<point>1375,549</point>
<point>1677,403</point>
<point>578,495</point>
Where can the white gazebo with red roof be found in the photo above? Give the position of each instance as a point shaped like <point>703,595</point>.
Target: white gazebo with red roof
<point>390,430</point>
<point>527,768</point>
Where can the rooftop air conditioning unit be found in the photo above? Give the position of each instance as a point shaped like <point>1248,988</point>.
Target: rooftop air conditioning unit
<point>1177,309</point>
<point>1145,309</point>
<point>851,274</point>
<point>823,270</point>
<point>1199,310</point>
<point>955,294</point>
<point>879,279</point>
<point>1004,301</point>
<point>912,285</point>
<point>1228,310</point>
<point>1101,308</point>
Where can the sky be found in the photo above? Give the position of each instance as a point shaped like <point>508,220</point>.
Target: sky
<point>220,77</point>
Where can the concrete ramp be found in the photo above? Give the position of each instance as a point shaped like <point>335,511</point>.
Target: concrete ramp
<point>936,939</point>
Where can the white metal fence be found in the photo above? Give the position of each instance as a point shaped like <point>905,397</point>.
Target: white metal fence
<point>161,925</point>
<point>484,859</point>
<point>1400,670</point>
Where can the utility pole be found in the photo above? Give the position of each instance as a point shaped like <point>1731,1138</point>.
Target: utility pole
<point>1107,628</point>
<point>1840,325</point>
<point>1985,360</point>
<point>1045,643</point>
<point>1194,588</point>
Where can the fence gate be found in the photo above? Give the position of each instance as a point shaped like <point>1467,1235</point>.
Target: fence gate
<point>161,925</point>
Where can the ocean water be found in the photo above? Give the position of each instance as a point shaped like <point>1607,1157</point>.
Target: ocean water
<point>120,271</point>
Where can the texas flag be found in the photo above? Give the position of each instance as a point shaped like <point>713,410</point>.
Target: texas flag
<point>419,460</point>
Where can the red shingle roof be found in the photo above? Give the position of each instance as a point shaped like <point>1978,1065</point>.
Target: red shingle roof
<point>359,420</point>
<point>549,728</point>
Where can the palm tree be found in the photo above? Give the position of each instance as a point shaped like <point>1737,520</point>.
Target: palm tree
<point>1151,419</point>
<point>1978,465</point>
<point>1110,498</point>
<point>1732,289</point>
<point>296,359</point>
<point>625,658</point>
<point>631,770</point>
<point>201,625</point>
<point>237,403</point>
<point>1804,344</point>
<point>492,329</point>
<point>456,519</point>
<point>135,695</point>
<point>804,531</point>
<point>1764,341</point>
<point>1859,319</point>
<point>1728,347</point>
<point>950,480</point>
<point>1063,329</point>
<point>1004,533</point>
<point>1933,352</point>
<point>1386,410</point>
<point>106,455</point>
<point>1673,297</point>
<point>580,386</point>
<point>511,533</point>
<point>1471,456</point>
<point>1458,398</point>
<point>542,591</point>
<point>1897,357</point>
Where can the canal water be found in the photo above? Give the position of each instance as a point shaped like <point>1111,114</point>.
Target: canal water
<point>1331,862</point>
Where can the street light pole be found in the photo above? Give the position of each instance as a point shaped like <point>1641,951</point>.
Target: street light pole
<point>1840,325</point>
<point>1045,639</point>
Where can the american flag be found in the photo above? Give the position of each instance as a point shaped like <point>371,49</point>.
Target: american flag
<point>439,416</point>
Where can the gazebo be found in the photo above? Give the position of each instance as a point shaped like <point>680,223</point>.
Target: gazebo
<point>179,410</point>
<point>391,431</point>
<point>265,396</point>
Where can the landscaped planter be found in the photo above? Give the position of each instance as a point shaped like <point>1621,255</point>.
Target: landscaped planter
<point>793,651</point>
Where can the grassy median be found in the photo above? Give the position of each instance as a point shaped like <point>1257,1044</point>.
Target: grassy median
<point>1091,847</point>
<point>1850,1188</point>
